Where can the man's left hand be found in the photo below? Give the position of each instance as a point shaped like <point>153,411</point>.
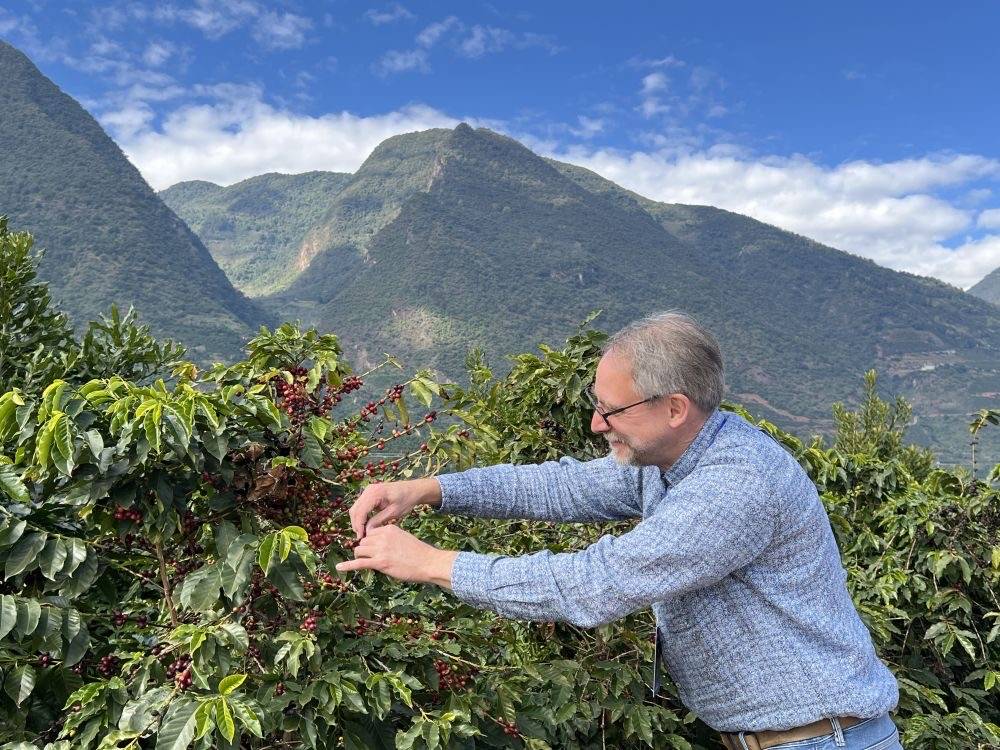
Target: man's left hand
<point>398,554</point>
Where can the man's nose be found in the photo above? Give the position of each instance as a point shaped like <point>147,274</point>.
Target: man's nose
<point>597,423</point>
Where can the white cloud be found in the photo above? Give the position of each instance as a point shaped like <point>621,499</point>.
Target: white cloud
<point>588,127</point>
<point>391,14</point>
<point>431,34</point>
<point>400,61</point>
<point>654,82</point>
<point>157,53</point>
<point>989,219</point>
<point>237,135</point>
<point>887,212</point>
<point>473,42</point>
<point>483,40</point>
<point>281,30</point>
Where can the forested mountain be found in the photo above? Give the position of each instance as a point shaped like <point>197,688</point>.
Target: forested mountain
<point>448,239</point>
<point>106,235</point>
<point>255,228</point>
<point>988,288</point>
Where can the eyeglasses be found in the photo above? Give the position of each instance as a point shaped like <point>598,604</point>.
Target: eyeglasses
<point>592,400</point>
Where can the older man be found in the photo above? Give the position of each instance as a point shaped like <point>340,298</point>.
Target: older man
<point>734,551</point>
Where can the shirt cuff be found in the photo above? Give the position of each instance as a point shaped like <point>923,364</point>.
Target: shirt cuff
<point>470,576</point>
<point>453,488</point>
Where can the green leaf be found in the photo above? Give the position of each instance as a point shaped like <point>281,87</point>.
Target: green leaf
<point>137,714</point>
<point>421,391</point>
<point>62,440</point>
<point>178,726</point>
<point>12,532</point>
<point>83,576</point>
<point>284,546</point>
<point>200,591</point>
<point>95,442</point>
<point>266,549</point>
<point>151,426</point>
<point>203,722</point>
<point>43,445</point>
<point>19,683</point>
<point>230,683</point>
<point>24,554</point>
<point>76,648</point>
<point>8,614</point>
<point>285,578</point>
<point>76,553</point>
<point>247,717</point>
<point>52,558</point>
<point>318,427</point>
<point>405,740</point>
<point>224,719</point>
<point>28,613</point>
<point>10,482</point>
<point>237,634</point>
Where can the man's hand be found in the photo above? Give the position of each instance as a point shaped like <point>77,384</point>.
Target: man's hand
<point>400,555</point>
<point>391,502</point>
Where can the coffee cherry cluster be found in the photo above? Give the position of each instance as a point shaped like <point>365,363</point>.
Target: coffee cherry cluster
<point>44,660</point>
<point>448,678</point>
<point>509,728</point>
<point>180,671</point>
<point>309,624</point>
<point>119,618</point>
<point>351,383</point>
<point>108,665</point>
<point>127,514</point>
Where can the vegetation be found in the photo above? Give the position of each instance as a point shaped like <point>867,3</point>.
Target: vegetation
<point>255,229</point>
<point>168,546</point>
<point>108,238</point>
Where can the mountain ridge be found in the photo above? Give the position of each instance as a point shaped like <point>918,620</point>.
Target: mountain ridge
<point>465,213</point>
<point>108,238</point>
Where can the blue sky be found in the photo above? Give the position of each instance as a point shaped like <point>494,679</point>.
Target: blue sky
<point>868,126</point>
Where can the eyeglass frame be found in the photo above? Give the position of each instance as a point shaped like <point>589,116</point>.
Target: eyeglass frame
<point>592,400</point>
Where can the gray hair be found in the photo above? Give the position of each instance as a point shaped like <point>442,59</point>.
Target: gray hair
<point>671,353</point>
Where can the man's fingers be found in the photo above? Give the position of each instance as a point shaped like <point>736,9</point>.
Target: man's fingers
<point>359,513</point>
<point>361,563</point>
<point>381,518</point>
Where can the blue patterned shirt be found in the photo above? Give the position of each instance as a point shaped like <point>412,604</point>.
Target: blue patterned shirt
<point>734,553</point>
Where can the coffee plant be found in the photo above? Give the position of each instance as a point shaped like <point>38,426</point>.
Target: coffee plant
<point>168,540</point>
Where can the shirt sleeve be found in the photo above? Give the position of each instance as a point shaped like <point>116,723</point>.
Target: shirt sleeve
<point>563,490</point>
<point>714,522</point>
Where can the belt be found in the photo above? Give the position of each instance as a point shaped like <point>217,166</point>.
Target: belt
<point>768,738</point>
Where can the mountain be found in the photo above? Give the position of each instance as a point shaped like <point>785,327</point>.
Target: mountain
<point>255,228</point>
<point>448,239</point>
<point>988,288</point>
<point>107,237</point>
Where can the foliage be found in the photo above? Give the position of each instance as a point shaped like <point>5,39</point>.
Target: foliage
<point>36,341</point>
<point>876,430</point>
<point>34,337</point>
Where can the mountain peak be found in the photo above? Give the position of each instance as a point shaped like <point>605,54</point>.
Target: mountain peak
<point>107,237</point>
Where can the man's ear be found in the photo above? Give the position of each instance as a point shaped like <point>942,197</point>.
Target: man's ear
<point>679,408</point>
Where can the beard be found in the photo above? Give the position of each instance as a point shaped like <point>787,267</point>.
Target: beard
<point>628,454</point>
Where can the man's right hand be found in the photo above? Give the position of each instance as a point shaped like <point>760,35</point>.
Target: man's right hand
<point>392,501</point>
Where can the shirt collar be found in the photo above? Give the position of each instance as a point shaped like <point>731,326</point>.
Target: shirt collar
<point>693,453</point>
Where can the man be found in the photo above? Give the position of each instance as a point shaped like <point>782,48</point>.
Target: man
<point>734,552</point>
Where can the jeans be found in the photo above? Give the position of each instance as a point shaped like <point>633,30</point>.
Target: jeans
<point>871,734</point>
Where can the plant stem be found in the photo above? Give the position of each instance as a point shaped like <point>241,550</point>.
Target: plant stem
<point>165,579</point>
